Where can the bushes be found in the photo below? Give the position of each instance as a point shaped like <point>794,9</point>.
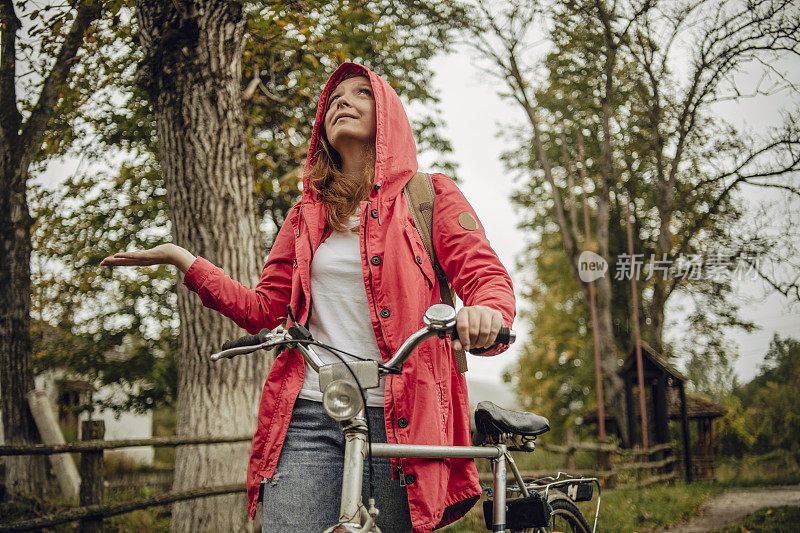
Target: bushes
<point>764,414</point>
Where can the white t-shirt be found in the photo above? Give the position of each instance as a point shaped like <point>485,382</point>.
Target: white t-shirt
<point>339,309</point>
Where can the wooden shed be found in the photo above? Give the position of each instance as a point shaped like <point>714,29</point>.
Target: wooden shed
<point>665,400</point>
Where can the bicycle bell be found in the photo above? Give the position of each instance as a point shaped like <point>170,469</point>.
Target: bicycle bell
<point>440,317</point>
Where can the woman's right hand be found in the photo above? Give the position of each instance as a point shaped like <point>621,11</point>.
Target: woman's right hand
<point>163,254</point>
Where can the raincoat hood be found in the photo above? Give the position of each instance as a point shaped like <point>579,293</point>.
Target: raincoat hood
<point>395,149</point>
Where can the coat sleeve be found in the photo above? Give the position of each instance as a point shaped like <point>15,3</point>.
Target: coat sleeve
<point>468,260</point>
<point>252,309</point>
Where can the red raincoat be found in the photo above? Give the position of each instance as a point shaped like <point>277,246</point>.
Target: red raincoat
<point>428,403</point>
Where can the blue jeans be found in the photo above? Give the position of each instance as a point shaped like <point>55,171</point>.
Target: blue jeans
<point>304,493</point>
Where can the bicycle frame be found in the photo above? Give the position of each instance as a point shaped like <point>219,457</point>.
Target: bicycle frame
<point>355,518</point>
<point>361,375</point>
<point>351,512</point>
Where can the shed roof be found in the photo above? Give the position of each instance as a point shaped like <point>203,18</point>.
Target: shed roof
<point>650,357</point>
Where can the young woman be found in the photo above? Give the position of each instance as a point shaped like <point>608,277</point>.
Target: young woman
<point>352,266</point>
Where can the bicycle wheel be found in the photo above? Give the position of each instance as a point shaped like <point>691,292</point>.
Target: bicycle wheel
<point>566,518</point>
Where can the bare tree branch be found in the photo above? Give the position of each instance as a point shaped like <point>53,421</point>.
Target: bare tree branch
<point>795,191</point>
<point>573,213</point>
<point>34,129</point>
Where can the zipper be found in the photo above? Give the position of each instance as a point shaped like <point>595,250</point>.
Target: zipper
<point>308,233</point>
<point>400,474</point>
<point>377,187</point>
<point>311,251</point>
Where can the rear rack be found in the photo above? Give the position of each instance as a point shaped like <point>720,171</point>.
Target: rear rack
<point>561,481</point>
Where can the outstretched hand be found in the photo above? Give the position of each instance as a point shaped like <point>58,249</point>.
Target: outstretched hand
<point>163,254</point>
<point>477,327</point>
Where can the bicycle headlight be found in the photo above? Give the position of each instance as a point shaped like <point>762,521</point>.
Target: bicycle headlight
<point>342,400</point>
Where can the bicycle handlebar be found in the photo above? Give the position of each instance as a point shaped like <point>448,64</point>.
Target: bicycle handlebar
<point>439,320</point>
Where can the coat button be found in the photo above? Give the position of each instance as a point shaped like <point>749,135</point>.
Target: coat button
<point>419,260</point>
<point>410,479</point>
<point>402,423</point>
<point>377,187</point>
<point>374,213</point>
<point>375,260</point>
<point>385,314</point>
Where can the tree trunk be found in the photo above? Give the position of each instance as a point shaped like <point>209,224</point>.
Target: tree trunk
<point>19,142</point>
<point>656,314</point>
<point>608,350</point>
<point>191,70</point>
<point>609,354</point>
<point>24,474</point>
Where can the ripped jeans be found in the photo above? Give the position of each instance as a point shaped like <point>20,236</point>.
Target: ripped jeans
<point>304,493</point>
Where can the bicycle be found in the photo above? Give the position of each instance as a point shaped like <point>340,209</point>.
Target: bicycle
<point>539,506</point>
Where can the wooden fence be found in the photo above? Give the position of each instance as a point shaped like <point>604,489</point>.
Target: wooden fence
<point>92,511</point>
<point>615,466</point>
<point>631,468</point>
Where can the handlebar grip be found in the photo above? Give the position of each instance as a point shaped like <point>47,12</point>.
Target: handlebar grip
<point>247,340</point>
<point>504,336</point>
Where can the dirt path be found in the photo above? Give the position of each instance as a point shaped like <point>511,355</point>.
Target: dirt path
<point>732,506</point>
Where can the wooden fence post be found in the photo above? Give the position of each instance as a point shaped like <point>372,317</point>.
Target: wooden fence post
<point>571,464</point>
<point>604,457</point>
<point>92,475</point>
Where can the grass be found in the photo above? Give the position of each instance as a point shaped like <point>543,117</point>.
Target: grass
<point>164,422</point>
<point>778,467</point>
<point>154,520</point>
<point>637,509</point>
<point>25,509</point>
<point>628,510</point>
<point>770,520</point>
<point>625,510</point>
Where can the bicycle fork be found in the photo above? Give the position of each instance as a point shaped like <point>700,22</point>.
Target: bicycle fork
<point>353,516</point>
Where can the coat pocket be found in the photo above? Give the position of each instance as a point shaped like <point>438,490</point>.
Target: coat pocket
<point>419,254</point>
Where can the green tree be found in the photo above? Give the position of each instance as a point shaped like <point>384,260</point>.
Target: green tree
<point>111,327</point>
<point>648,136</point>
<point>292,51</point>
<point>772,398</point>
<point>764,414</point>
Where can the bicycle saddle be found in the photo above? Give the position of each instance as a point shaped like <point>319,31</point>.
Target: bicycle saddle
<point>491,421</point>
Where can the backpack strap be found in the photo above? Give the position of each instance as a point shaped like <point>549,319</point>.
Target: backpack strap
<point>420,196</point>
